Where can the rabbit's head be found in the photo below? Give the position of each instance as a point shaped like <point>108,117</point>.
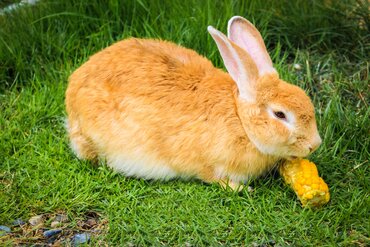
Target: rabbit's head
<point>278,117</point>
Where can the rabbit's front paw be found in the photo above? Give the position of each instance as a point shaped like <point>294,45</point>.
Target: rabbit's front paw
<point>228,184</point>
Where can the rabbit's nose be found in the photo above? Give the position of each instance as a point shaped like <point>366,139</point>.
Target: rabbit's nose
<point>315,144</point>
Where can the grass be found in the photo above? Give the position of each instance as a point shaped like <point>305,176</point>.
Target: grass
<point>5,3</point>
<point>41,45</point>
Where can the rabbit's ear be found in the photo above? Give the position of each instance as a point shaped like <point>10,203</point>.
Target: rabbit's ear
<point>245,34</point>
<point>239,64</point>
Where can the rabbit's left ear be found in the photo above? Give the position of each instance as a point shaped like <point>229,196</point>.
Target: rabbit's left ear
<point>245,34</point>
<point>239,64</point>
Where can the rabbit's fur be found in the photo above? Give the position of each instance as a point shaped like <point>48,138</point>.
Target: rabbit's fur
<point>156,110</point>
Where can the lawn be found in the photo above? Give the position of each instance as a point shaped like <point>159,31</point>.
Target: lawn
<point>41,45</point>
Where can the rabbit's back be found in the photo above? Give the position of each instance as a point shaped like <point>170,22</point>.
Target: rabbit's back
<point>146,68</point>
<point>154,110</point>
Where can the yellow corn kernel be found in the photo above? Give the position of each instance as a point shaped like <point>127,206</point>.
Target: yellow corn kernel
<point>303,177</point>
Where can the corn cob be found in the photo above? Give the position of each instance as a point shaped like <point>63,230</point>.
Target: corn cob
<point>303,177</point>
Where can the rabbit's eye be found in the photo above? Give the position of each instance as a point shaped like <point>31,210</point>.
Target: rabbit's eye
<point>280,115</point>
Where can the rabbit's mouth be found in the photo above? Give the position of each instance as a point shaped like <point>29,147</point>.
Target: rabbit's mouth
<point>292,157</point>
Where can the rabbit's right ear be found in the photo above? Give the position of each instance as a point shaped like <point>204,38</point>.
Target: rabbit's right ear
<point>239,64</point>
<point>246,35</point>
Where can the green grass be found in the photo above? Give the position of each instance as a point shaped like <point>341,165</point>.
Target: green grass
<point>41,45</point>
<point>5,3</point>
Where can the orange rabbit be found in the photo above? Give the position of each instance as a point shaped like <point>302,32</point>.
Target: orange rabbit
<point>156,110</point>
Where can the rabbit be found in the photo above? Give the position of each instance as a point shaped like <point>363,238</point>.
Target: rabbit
<point>156,110</point>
